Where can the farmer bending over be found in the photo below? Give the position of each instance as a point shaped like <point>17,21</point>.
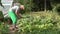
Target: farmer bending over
<point>14,14</point>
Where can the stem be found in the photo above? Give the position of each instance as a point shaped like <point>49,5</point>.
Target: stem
<point>45,5</point>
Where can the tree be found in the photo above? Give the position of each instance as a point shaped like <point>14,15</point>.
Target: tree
<point>1,4</point>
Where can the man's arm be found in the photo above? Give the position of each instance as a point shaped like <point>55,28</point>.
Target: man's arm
<point>17,13</point>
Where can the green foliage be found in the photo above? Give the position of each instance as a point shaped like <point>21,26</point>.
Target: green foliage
<point>45,22</point>
<point>36,23</point>
<point>3,28</point>
<point>1,14</point>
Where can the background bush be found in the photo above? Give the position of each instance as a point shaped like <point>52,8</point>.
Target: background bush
<point>37,5</point>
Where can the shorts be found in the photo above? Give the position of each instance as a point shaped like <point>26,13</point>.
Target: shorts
<point>13,17</point>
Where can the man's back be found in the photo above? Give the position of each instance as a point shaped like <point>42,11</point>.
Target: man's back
<point>14,8</point>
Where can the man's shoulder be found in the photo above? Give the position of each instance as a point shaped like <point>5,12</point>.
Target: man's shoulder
<point>15,6</point>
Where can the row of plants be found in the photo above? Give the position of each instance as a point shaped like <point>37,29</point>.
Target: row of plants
<point>36,23</point>
<point>44,23</point>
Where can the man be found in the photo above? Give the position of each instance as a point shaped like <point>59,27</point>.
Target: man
<point>14,14</point>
